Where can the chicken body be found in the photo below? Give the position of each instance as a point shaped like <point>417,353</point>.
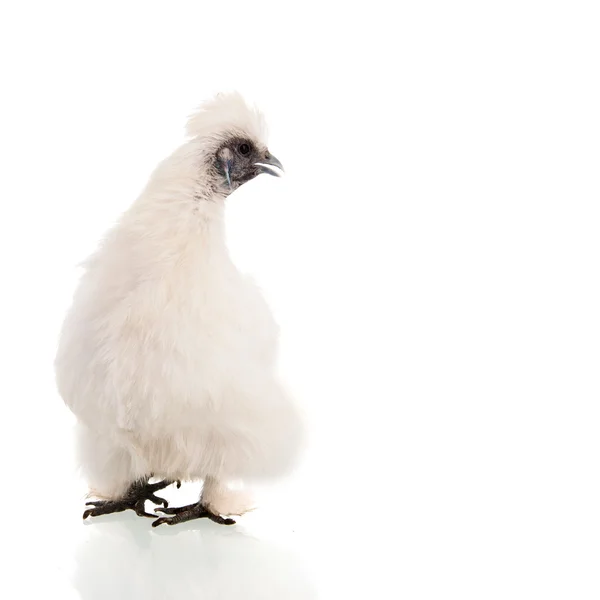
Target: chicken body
<point>168,354</point>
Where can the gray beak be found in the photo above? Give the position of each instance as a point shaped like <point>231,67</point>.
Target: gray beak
<point>264,166</point>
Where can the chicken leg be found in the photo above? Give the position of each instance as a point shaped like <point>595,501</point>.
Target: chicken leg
<point>188,513</point>
<point>134,499</point>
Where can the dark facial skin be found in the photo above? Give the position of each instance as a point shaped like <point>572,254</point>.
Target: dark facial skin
<point>239,160</point>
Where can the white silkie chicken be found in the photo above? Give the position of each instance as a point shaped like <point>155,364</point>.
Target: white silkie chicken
<point>168,354</point>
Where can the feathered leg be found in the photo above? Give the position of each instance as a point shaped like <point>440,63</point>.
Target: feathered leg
<point>134,499</point>
<point>217,502</point>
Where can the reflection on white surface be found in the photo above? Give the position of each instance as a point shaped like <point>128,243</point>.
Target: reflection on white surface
<point>123,557</point>
<point>51,552</point>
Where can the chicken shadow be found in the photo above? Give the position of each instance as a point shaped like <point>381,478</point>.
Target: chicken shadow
<point>123,557</point>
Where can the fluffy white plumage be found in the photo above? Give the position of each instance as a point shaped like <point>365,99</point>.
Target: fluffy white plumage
<point>168,354</point>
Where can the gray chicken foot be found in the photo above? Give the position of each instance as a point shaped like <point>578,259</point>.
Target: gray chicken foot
<point>188,513</point>
<point>134,499</point>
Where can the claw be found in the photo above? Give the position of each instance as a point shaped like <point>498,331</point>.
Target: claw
<point>171,511</point>
<point>166,511</point>
<point>134,499</point>
<point>157,500</point>
<point>181,514</point>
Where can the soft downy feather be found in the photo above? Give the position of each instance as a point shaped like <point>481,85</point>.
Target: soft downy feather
<point>168,353</point>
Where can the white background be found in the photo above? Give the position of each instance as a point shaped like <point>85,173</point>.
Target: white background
<point>432,257</point>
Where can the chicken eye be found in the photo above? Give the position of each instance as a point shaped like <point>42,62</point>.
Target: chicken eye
<point>244,149</point>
